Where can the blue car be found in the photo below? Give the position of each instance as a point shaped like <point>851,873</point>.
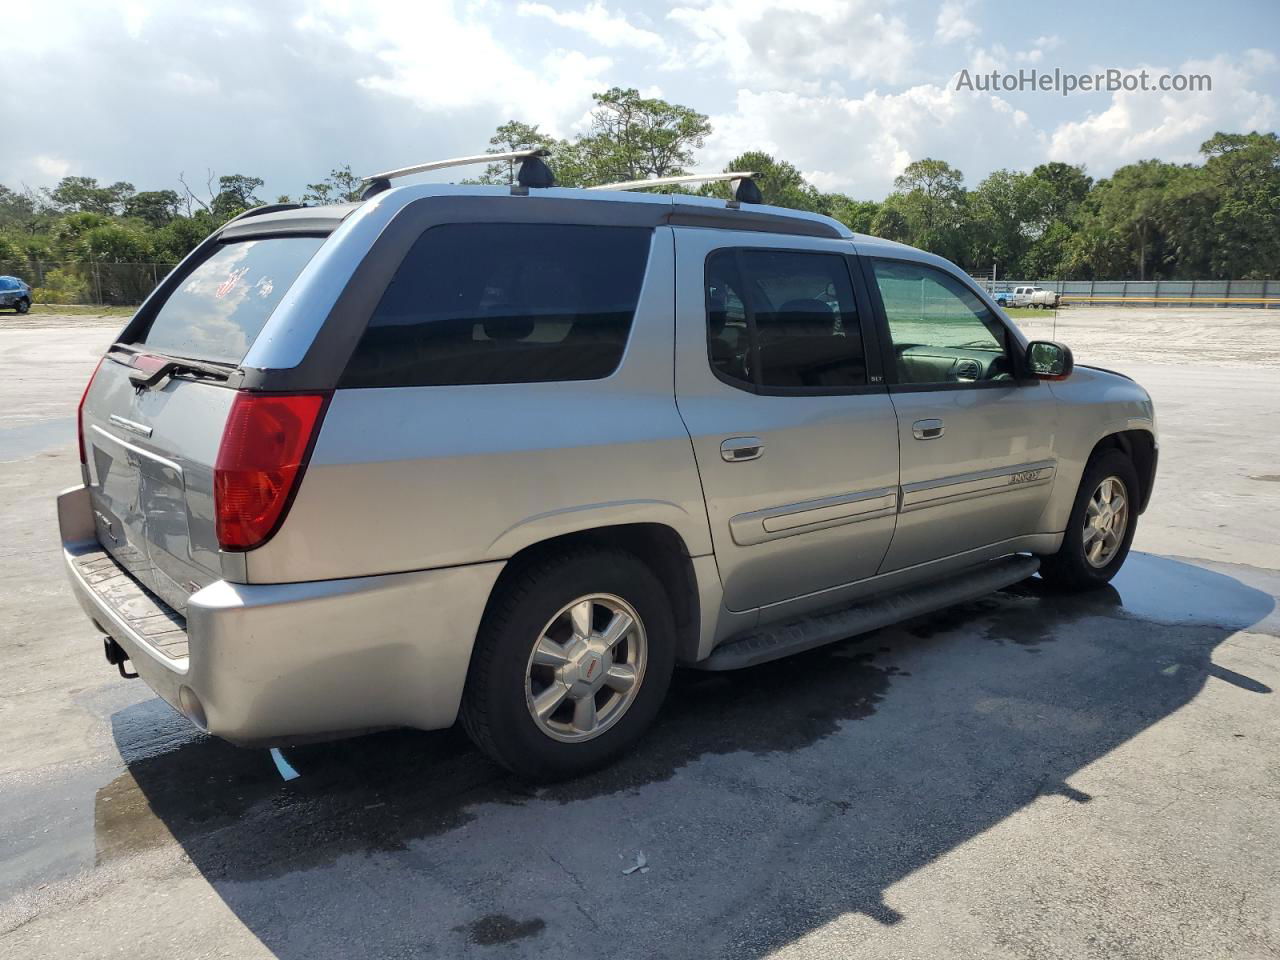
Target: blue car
<point>15,293</point>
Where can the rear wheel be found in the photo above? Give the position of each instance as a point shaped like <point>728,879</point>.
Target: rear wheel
<point>572,663</point>
<point>1101,528</point>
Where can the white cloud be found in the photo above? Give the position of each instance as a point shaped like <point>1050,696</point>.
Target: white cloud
<point>443,59</point>
<point>953,22</point>
<point>1137,125</point>
<point>849,90</point>
<point>858,145</point>
<point>802,45</point>
<point>51,166</point>
<point>597,22</point>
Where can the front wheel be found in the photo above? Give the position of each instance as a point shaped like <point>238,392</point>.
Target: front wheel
<point>1101,528</point>
<point>22,306</point>
<point>572,662</point>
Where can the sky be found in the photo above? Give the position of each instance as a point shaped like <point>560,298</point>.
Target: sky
<point>850,92</point>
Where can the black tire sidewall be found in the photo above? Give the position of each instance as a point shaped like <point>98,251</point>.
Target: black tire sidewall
<point>22,306</point>
<point>513,737</point>
<point>1070,565</point>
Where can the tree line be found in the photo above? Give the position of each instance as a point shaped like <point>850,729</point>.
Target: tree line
<point>1216,219</point>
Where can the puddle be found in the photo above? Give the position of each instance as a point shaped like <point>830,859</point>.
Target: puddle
<point>1169,591</point>
<point>25,440</point>
<point>1148,588</point>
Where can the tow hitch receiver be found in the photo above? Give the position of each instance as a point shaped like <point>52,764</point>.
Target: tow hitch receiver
<point>117,657</point>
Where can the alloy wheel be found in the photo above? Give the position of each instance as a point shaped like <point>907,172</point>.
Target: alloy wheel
<point>586,667</point>
<point>1105,522</point>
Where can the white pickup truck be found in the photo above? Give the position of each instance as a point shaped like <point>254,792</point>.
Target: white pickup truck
<point>1035,297</point>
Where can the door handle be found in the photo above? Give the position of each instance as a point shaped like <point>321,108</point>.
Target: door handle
<point>737,449</point>
<point>928,429</point>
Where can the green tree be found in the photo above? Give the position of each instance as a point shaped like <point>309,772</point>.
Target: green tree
<point>156,207</point>
<point>932,204</point>
<point>10,251</point>
<point>857,215</point>
<point>891,220</point>
<point>236,193</point>
<point>23,211</point>
<point>514,135</point>
<point>83,195</point>
<point>341,186</point>
<point>633,138</point>
<point>70,228</point>
<point>1243,171</point>
<point>1062,187</point>
<point>781,183</point>
<point>1003,214</point>
<point>1133,206</point>
<point>181,235</point>
<point>114,242</point>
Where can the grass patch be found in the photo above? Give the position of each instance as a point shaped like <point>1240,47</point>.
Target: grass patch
<point>80,310</point>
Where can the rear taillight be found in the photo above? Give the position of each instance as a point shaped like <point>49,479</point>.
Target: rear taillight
<point>84,456</point>
<point>265,448</point>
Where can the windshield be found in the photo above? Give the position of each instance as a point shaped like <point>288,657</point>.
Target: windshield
<point>222,305</point>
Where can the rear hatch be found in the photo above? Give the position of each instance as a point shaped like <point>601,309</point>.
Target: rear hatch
<point>153,416</point>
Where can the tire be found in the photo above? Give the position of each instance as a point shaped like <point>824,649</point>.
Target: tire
<point>539,601</point>
<point>22,306</point>
<point>1071,568</point>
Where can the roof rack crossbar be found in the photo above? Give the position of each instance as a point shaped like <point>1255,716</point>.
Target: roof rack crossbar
<point>665,181</point>
<point>745,189</point>
<point>459,162</point>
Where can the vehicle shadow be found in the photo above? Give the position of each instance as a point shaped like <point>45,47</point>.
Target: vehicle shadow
<point>768,801</point>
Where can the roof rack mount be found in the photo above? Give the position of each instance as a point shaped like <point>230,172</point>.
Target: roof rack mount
<point>745,191</point>
<point>532,173</point>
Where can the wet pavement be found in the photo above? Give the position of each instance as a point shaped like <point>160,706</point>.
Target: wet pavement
<point>1027,775</point>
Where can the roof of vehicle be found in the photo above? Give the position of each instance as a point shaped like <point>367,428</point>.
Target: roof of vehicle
<point>667,208</point>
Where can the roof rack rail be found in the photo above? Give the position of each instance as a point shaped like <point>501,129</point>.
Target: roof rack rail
<point>532,173</point>
<point>744,191</point>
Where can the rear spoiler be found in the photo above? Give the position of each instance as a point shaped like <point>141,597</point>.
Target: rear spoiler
<point>285,219</point>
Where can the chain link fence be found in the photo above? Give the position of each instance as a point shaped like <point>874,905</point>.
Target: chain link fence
<point>87,282</point>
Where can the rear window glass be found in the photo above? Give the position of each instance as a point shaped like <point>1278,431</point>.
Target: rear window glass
<point>221,306</point>
<point>504,303</point>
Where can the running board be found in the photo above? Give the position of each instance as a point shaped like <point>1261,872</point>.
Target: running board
<point>793,636</point>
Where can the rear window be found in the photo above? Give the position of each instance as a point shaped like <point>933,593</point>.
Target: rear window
<point>504,303</point>
<point>221,306</point>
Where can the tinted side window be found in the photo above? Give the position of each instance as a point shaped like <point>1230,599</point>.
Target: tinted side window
<point>504,303</point>
<point>780,318</point>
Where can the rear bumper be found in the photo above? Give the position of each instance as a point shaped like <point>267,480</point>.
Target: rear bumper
<point>274,663</point>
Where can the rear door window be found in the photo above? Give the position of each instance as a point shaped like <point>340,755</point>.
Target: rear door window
<point>221,306</point>
<point>504,303</point>
<point>783,319</point>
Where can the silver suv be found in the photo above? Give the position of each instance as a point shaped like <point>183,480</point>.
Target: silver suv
<point>511,455</point>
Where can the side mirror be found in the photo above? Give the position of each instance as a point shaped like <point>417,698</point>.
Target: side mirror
<point>1047,360</point>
